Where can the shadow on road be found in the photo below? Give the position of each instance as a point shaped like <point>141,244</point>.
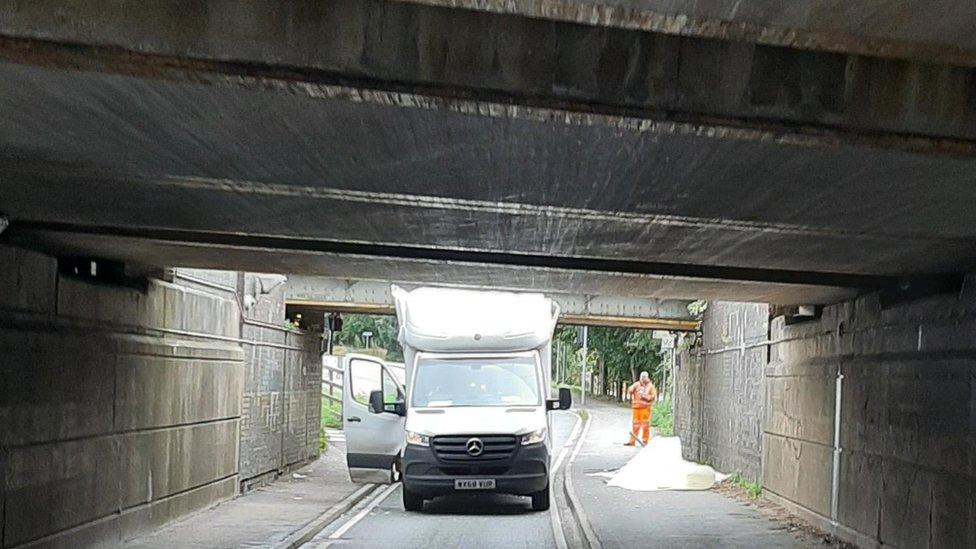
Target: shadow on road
<point>478,504</point>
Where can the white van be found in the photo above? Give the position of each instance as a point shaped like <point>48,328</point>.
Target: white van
<point>472,414</point>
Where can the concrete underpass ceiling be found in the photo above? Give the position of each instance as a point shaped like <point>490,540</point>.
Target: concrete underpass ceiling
<point>179,162</point>
<point>295,260</point>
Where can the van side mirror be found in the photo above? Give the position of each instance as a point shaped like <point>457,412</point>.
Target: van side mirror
<point>565,398</point>
<point>376,402</point>
<point>564,401</point>
<point>377,406</point>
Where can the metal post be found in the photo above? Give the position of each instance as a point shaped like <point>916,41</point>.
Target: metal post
<point>562,363</point>
<point>583,371</point>
<point>664,374</point>
<point>559,356</point>
<point>673,362</point>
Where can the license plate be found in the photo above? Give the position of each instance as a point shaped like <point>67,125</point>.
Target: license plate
<point>474,484</point>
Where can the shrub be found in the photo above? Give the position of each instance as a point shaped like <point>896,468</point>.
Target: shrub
<point>662,417</point>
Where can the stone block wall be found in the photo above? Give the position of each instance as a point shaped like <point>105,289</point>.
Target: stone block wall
<point>688,402</point>
<point>907,423</point>
<point>119,407</point>
<point>281,399</point>
<point>282,389</point>
<point>720,391</point>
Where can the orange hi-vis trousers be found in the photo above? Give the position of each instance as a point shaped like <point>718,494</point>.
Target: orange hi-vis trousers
<point>642,421</point>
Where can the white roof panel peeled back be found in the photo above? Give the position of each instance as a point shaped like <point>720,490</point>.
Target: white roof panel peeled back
<point>444,319</point>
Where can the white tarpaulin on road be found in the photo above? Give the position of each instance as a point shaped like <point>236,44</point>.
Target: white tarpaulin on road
<point>659,466</point>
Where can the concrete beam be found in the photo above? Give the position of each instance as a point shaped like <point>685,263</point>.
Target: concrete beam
<point>907,29</point>
<point>323,294</point>
<point>499,54</point>
<point>273,256</point>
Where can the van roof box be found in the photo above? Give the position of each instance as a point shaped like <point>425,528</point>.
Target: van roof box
<point>452,320</point>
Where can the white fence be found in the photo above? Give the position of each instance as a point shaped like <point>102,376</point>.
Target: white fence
<point>331,378</point>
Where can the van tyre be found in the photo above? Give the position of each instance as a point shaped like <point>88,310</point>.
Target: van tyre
<point>540,500</point>
<point>412,501</point>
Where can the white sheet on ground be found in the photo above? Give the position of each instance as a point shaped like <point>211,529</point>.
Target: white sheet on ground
<point>659,466</point>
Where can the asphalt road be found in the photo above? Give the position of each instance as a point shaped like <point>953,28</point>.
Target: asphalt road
<point>470,521</point>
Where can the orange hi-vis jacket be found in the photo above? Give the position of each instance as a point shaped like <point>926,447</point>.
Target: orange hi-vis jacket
<point>642,396</point>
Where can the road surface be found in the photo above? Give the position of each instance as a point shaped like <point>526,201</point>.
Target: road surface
<point>455,521</point>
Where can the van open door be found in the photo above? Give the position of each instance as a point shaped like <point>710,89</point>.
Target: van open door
<point>373,440</point>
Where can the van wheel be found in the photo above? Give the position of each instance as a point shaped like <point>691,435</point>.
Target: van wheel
<point>412,501</point>
<point>540,500</point>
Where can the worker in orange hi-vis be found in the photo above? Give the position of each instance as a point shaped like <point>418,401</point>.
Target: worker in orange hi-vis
<point>642,396</point>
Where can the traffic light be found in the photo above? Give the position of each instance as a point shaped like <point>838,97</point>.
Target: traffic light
<point>335,322</point>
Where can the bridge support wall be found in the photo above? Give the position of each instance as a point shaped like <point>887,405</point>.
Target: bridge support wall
<point>120,406</point>
<point>719,389</point>
<point>894,464</point>
<point>905,439</point>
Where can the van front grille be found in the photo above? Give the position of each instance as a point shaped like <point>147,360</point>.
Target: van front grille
<point>455,448</point>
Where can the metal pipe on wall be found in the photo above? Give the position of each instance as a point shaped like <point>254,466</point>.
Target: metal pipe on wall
<point>835,473</point>
<point>583,371</point>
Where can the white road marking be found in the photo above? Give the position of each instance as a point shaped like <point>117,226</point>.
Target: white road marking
<point>325,519</point>
<point>591,538</point>
<point>557,524</point>
<point>569,443</point>
<point>362,514</point>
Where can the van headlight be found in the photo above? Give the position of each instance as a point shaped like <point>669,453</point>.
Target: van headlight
<point>417,439</point>
<point>534,437</point>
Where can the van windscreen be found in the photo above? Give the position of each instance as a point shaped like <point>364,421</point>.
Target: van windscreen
<point>495,381</point>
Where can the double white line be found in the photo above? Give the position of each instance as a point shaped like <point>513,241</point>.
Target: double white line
<point>376,497</point>
<point>572,449</point>
<point>557,524</point>
<point>383,494</point>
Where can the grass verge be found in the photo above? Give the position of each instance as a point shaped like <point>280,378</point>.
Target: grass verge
<point>331,414</point>
<point>331,418</point>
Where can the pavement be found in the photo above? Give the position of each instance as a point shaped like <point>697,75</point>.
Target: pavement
<point>266,516</point>
<point>625,518</point>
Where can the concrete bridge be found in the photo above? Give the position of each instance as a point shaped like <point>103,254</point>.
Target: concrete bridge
<point>759,154</point>
<point>626,154</point>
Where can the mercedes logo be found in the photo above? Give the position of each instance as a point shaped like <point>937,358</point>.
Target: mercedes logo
<point>475,447</point>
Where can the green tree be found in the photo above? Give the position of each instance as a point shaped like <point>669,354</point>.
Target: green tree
<point>383,327</point>
<point>624,352</point>
<point>567,346</point>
